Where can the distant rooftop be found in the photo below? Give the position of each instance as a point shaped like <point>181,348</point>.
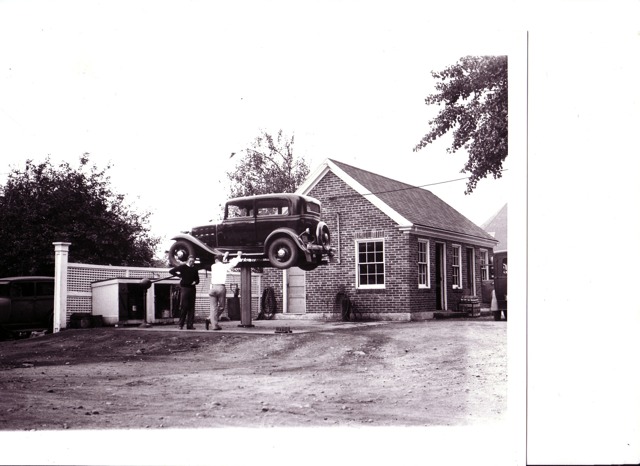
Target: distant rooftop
<point>497,226</point>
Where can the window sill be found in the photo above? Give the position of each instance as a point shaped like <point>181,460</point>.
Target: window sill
<point>371,290</point>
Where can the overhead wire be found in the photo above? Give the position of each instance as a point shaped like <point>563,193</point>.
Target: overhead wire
<point>413,187</point>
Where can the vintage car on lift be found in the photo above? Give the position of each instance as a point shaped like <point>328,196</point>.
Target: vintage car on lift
<point>279,230</point>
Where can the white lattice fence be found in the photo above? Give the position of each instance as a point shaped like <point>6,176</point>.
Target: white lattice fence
<point>81,276</point>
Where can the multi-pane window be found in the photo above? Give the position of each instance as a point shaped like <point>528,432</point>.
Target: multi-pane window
<point>484,264</point>
<point>370,263</point>
<point>456,265</point>
<point>424,274</point>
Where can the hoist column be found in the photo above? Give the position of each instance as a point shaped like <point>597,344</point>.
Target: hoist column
<point>245,297</point>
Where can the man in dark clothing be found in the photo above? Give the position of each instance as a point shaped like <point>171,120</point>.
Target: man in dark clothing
<point>189,278</point>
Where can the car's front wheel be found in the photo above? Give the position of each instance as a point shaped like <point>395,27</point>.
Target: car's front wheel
<point>283,253</point>
<point>179,252</point>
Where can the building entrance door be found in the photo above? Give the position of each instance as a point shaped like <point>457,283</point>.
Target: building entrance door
<point>296,291</point>
<point>441,287</point>
<point>471,271</point>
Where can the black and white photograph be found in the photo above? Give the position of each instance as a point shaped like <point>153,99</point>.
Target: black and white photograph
<point>316,232</point>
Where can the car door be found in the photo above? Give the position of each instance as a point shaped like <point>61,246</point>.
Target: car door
<point>43,301</point>
<point>271,214</point>
<point>238,230</point>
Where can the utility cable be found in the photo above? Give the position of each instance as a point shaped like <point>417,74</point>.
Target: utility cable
<point>415,187</point>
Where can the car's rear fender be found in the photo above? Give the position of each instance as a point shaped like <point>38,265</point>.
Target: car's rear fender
<point>291,234</point>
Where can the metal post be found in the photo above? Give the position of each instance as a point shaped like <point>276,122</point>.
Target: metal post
<point>245,296</point>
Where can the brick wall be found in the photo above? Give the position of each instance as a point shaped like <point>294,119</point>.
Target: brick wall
<point>351,217</point>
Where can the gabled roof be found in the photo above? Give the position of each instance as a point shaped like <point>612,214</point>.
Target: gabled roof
<point>497,226</point>
<point>412,208</point>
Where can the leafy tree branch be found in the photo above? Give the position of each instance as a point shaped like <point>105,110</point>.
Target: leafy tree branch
<point>269,165</point>
<point>473,97</point>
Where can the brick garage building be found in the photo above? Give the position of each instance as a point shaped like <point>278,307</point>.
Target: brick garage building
<point>401,253</point>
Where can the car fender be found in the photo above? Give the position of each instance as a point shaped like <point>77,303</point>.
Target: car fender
<point>196,242</point>
<point>291,234</point>
<point>284,231</point>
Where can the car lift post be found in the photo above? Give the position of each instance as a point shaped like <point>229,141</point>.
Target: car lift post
<point>245,295</point>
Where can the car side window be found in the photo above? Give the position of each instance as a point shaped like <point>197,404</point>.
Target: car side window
<point>22,290</point>
<point>238,211</point>
<point>44,289</point>
<point>268,207</point>
<point>265,211</point>
<point>313,207</point>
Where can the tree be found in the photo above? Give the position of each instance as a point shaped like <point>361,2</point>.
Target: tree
<point>268,166</point>
<point>43,204</point>
<point>474,93</point>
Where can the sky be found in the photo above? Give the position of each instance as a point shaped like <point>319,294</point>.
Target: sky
<point>165,92</point>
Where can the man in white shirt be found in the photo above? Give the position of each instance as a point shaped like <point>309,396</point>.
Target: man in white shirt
<point>218,290</point>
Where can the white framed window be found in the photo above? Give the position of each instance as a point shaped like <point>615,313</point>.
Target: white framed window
<point>484,264</point>
<point>424,264</point>
<point>456,267</point>
<point>370,263</point>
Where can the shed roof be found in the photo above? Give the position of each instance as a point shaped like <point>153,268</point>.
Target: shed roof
<point>399,201</point>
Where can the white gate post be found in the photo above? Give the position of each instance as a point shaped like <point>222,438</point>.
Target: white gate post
<point>60,290</point>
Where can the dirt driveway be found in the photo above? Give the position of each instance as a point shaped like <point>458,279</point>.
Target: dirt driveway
<point>394,374</point>
<point>160,381</point>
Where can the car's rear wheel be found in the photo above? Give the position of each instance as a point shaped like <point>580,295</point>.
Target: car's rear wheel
<point>283,253</point>
<point>179,252</point>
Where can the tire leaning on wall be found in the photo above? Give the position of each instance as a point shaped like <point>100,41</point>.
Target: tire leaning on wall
<point>268,304</point>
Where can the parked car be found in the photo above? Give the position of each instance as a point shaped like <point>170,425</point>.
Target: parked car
<point>26,304</point>
<point>279,230</point>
